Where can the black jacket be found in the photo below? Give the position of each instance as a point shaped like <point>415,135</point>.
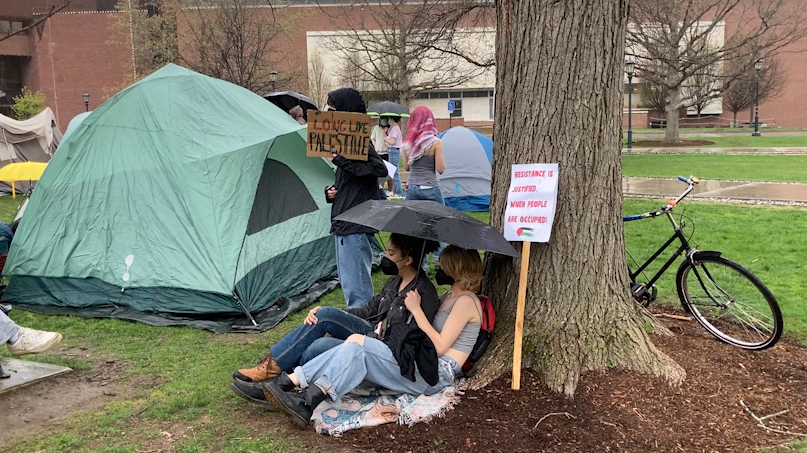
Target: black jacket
<point>389,302</point>
<point>411,346</point>
<point>356,180</point>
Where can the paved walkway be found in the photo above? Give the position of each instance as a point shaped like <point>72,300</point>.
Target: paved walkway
<point>732,190</point>
<point>702,133</point>
<point>676,150</point>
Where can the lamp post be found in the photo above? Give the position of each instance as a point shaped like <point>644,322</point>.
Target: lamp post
<point>758,68</point>
<point>86,97</point>
<point>629,67</point>
<point>273,78</point>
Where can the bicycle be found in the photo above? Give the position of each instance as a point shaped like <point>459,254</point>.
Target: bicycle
<point>746,316</point>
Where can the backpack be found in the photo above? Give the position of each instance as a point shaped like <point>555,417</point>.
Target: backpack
<point>485,332</point>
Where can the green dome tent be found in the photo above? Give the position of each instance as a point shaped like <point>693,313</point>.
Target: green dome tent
<point>182,199</point>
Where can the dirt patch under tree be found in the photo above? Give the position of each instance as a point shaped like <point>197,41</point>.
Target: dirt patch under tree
<point>626,412</point>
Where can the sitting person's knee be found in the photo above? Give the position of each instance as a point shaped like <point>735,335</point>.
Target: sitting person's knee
<point>356,338</point>
<point>326,312</point>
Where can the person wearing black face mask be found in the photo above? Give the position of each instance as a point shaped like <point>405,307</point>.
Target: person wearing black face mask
<point>442,278</point>
<point>401,262</point>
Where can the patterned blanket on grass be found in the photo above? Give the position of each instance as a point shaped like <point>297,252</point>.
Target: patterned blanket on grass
<point>372,407</point>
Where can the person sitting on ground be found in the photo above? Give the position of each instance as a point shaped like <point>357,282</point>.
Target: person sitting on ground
<point>296,112</point>
<point>365,359</point>
<point>22,340</point>
<point>387,308</point>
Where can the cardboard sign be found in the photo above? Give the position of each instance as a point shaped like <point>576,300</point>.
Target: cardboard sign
<point>531,202</point>
<point>346,134</point>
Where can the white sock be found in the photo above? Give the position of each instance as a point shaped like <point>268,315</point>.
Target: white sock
<point>14,338</point>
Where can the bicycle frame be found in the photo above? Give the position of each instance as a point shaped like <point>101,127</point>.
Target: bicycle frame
<point>683,249</point>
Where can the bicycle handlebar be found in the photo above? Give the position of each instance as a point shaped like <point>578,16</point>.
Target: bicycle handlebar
<point>691,181</point>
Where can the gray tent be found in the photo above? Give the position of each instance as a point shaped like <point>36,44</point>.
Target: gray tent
<point>466,182</point>
<point>31,140</point>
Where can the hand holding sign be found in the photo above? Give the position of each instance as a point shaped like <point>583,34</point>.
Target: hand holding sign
<point>346,134</point>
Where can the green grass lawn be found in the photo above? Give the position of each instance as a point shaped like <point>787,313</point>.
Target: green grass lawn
<point>188,370</point>
<point>740,141</point>
<point>741,167</point>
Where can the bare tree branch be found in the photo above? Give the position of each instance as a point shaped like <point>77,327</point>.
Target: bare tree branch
<point>742,93</point>
<point>680,43</point>
<point>53,10</point>
<point>409,49</point>
<point>236,40</point>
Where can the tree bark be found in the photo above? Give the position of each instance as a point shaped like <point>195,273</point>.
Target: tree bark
<point>671,133</point>
<point>559,83</point>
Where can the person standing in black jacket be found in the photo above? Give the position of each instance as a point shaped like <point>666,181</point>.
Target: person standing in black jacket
<point>356,182</point>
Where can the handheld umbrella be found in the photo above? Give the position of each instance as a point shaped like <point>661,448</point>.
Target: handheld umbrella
<point>429,220</point>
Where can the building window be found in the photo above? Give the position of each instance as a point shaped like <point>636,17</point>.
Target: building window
<point>457,113</point>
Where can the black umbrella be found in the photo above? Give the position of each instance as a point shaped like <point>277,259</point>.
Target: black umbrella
<point>288,99</point>
<point>388,108</point>
<point>429,220</point>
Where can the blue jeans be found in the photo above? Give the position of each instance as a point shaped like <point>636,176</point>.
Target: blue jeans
<point>433,194</point>
<point>354,262</point>
<point>8,329</point>
<point>303,343</point>
<point>343,368</point>
<point>394,159</point>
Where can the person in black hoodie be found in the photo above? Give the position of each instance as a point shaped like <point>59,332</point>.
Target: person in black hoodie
<point>356,182</point>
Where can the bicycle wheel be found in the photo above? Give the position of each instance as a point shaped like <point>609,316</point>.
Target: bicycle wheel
<point>730,302</point>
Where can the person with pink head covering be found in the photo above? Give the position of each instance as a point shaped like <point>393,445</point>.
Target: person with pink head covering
<point>422,154</point>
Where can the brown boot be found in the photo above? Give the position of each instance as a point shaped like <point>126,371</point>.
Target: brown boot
<point>265,370</point>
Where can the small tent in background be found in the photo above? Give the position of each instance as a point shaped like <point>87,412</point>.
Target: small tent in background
<point>183,199</point>
<point>31,140</point>
<point>466,182</point>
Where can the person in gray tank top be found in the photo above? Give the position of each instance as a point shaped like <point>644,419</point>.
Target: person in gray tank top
<point>365,359</point>
<point>422,154</point>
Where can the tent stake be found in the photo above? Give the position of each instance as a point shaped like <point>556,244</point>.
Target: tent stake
<point>254,326</point>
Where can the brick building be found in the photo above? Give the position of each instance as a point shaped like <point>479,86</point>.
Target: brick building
<point>80,50</point>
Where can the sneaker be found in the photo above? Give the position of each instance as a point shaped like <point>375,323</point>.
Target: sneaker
<point>34,341</point>
<point>265,370</point>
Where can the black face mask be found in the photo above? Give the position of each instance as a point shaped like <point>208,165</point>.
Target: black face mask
<point>442,278</point>
<point>390,267</point>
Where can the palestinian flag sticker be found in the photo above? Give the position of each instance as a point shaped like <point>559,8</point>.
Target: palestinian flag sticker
<point>524,231</point>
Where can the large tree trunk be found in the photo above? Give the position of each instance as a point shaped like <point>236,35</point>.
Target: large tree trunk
<point>559,82</point>
<point>671,133</point>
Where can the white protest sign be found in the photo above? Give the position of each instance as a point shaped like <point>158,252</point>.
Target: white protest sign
<point>531,202</point>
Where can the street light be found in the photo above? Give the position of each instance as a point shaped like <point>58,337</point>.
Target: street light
<point>86,97</point>
<point>758,66</point>
<point>629,67</point>
<point>273,78</point>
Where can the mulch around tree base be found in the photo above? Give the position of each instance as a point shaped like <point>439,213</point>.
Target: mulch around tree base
<point>619,411</point>
<point>663,144</point>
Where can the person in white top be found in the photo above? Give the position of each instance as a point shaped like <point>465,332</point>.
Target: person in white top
<point>394,140</point>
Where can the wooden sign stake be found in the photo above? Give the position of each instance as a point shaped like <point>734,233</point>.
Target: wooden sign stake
<point>522,301</point>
